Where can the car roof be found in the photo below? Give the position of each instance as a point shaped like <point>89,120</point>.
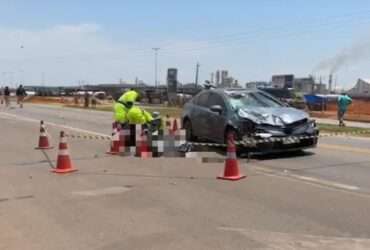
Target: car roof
<point>231,91</point>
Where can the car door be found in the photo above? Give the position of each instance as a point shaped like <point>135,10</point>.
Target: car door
<point>216,122</point>
<point>198,120</point>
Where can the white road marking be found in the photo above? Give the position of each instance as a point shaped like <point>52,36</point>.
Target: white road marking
<point>286,241</point>
<point>102,191</point>
<point>52,124</point>
<point>308,179</point>
<point>325,182</point>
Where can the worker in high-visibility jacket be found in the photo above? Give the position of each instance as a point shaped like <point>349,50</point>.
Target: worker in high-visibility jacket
<point>130,96</point>
<point>123,105</point>
<point>120,113</point>
<point>137,115</point>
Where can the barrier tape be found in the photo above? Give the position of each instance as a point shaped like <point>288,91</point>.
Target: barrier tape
<point>88,137</point>
<point>288,139</point>
<point>254,142</point>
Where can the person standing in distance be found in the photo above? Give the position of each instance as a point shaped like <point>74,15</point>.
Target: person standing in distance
<point>7,96</point>
<point>1,95</point>
<point>21,93</point>
<point>343,103</point>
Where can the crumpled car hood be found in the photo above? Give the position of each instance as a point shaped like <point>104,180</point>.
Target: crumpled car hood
<point>274,116</point>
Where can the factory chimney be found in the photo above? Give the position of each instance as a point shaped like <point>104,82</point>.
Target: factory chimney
<point>330,83</point>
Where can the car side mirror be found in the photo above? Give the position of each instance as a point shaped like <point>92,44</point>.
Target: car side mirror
<point>216,108</point>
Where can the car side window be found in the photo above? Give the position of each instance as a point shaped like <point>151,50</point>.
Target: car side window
<point>216,99</point>
<point>202,100</point>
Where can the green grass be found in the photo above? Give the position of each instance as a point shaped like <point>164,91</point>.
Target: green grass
<point>329,128</point>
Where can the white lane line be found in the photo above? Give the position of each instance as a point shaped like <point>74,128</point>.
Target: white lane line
<point>308,179</point>
<point>52,124</point>
<point>102,191</point>
<point>325,182</point>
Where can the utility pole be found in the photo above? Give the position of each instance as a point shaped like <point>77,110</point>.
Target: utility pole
<point>156,65</point>
<point>197,75</point>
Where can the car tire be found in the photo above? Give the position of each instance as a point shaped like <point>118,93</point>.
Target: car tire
<point>189,131</point>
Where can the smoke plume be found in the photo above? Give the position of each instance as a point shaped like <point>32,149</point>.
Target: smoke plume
<point>357,53</point>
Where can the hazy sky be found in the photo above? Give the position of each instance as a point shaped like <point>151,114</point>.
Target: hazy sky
<point>103,41</point>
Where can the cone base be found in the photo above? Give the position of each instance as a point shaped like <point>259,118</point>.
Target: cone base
<point>64,171</point>
<point>232,178</point>
<point>44,148</point>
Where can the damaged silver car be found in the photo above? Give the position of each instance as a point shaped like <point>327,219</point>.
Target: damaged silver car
<point>248,114</point>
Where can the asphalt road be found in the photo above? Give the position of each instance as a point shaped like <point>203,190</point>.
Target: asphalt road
<point>316,200</point>
<point>345,160</point>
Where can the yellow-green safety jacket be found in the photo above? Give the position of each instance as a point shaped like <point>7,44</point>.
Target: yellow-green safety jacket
<point>129,96</point>
<point>136,115</point>
<point>120,109</point>
<point>120,112</point>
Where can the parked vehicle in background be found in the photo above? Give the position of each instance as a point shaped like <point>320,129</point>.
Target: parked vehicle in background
<point>213,114</point>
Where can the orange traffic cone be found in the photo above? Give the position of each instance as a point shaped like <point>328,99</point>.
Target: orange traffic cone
<point>64,164</point>
<point>115,143</point>
<point>143,148</point>
<point>44,138</point>
<point>175,127</point>
<point>231,171</point>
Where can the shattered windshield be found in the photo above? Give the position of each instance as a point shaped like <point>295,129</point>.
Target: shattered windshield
<point>255,99</point>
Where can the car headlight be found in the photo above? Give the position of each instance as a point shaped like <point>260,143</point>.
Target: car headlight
<point>264,135</point>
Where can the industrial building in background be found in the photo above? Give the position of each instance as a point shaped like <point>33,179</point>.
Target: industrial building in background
<point>223,80</point>
<point>257,85</point>
<point>361,89</point>
<point>304,85</point>
<point>282,81</point>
